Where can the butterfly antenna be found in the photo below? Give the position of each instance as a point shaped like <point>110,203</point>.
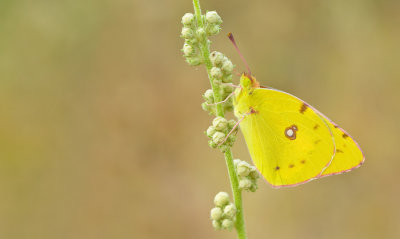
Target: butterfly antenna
<point>230,35</point>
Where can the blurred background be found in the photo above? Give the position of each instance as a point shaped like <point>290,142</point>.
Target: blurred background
<point>101,129</point>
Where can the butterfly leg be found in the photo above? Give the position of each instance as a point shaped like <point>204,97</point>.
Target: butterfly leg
<point>226,99</point>
<point>236,125</point>
<point>231,85</point>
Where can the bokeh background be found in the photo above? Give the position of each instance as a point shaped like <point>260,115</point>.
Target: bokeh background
<point>101,129</point>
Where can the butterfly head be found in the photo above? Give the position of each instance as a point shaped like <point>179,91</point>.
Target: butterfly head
<point>241,102</point>
<point>248,82</point>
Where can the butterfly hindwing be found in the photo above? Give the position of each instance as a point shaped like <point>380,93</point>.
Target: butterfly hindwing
<point>348,154</point>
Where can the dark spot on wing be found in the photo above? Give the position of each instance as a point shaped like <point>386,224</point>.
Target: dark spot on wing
<point>316,126</point>
<point>291,165</point>
<point>277,168</point>
<point>253,111</point>
<point>339,151</point>
<point>303,108</point>
<point>303,161</point>
<point>290,132</point>
<point>345,135</point>
<point>317,141</point>
<point>336,126</point>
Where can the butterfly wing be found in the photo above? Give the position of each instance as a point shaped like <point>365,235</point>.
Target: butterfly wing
<point>289,142</point>
<point>348,153</point>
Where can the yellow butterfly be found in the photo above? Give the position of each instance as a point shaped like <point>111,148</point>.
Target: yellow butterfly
<point>289,141</point>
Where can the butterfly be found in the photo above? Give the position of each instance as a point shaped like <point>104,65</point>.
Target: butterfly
<point>289,141</point>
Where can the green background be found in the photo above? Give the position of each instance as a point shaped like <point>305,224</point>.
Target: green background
<point>101,129</point>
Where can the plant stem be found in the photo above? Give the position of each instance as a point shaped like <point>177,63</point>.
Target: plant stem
<point>205,51</point>
<point>239,224</point>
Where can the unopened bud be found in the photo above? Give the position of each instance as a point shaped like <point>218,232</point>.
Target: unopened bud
<point>193,61</point>
<point>218,137</point>
<point>227,224</point>
<point>213,30</point>
<point>216,213</point>
<point>216,224</point>
<point>211,131</point>
<point>201,32</point>
<point>245,183</point>
<point>227,66</point>
<point>221,199</point>
<point>230,211</point>
<point>187,32</point>
<point>216,72</point>
<point>243,169</point>
<point>212,17</point>
<point>216,58</point>
<point>220,123</point>
<point>188,19</point>
<point>187,50</point>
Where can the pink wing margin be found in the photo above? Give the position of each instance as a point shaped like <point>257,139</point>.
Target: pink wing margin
<point>358,146</point>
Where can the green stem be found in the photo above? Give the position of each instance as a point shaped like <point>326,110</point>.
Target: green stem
<point>239,224</point>
<point>205,51</point>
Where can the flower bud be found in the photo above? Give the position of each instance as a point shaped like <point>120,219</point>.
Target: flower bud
<point>220,123</point>
<point>218,137</point>
<point>231,139</point>
<point>193,61</point>
<point>227,66</point>
<point>212,17</point>
<point>226,90</point>
<point>254,174</point>
<point>253,187</point>
<point>187,32</point>
<point>188,19</point>
<point>221,199</point>
<point>216,213</point>
<point>212,144</point>
<point>230,211</point>
<point>187,49</point>
<point>217,81</point>
<point>201,32</point>
<point>231,124</point>
<point>216,224</point>
<point>245,183</point>
<point>192,41</point>
<point>216,73</point>
<point>216,58</point>
<point>227,224</point>
<point>227,79</point>
<point>209,96</point>
<point>210,131</point>
<point>243,169</point>
<point>213,30</point>
<point>205,106</point>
